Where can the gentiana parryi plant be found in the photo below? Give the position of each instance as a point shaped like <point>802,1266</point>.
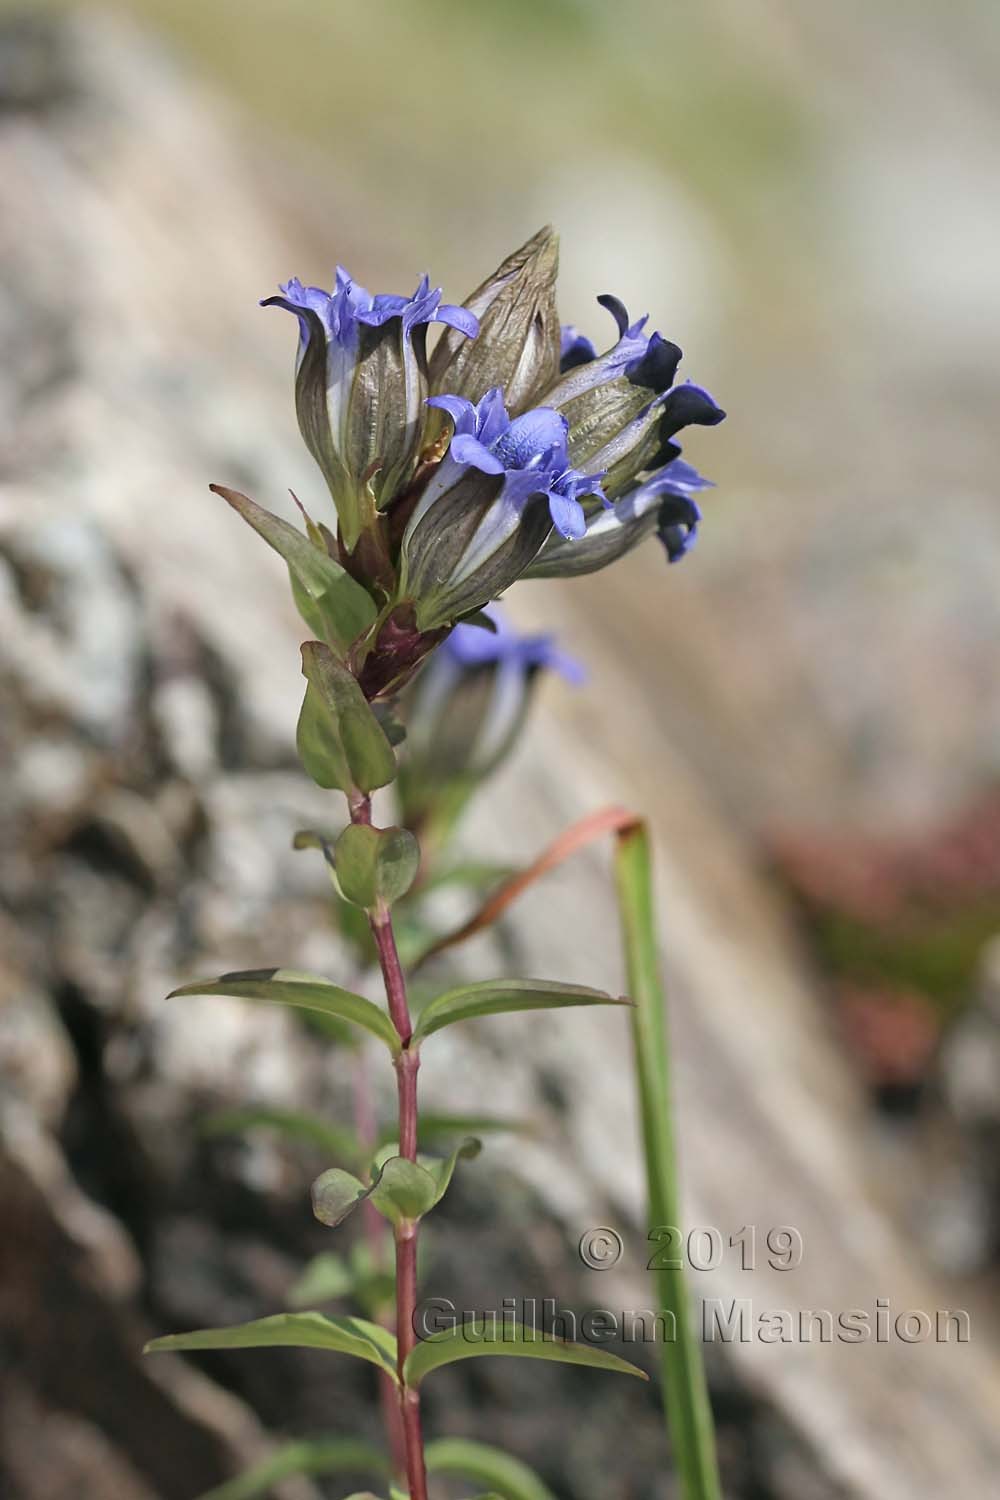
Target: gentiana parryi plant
<point>515,449</point>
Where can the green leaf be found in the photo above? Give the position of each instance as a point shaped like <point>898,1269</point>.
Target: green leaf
<point>684,1389</point>
<point>363,1277</point>
<point>316,1456</point>
<point>311,838</point>
<point>335,1193</point>
<point>375,865</point>
<point>442,1170</point>
<point>431,1127</point>
<point>495,996</point>
<point>340,741</point>
<point>332,603</point>
<point>470,1339</point>
<point>324,1277</point>
<point>505,1475</point>
<point>403,1190</point>
<point>306,991</point>
<point>333,1139</point>
<point>304,1330</point>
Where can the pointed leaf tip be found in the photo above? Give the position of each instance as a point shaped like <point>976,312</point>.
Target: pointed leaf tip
<point>499,996</point>
<point>304,991</point>
<point>308,1330</point>
<point>332,603</point>
<point>470,1339</point>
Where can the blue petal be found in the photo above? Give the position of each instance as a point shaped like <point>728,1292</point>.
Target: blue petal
<point>461,411</point>
<point>541,431</point>
<point>688,405</point>
<point>458,317</point>
<point>491,416</point>
<point>675,478</point>
<point>383,307</point>
<point>466,449</point>
<point>568,516</point>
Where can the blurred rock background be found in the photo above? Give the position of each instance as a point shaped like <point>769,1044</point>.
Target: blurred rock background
<point>808,710</point>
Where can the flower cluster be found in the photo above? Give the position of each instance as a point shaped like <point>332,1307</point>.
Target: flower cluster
<point>516,449</point>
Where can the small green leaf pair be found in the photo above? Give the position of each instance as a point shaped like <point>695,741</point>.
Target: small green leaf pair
<point>375,866</point>
<point>309,992</point>
<point>508,1477</point>
<point>401,1190</point>
<point>377,1346</point>
<point>340,742</point>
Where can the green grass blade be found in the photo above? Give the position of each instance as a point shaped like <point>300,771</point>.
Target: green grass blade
<point>685,1392</point>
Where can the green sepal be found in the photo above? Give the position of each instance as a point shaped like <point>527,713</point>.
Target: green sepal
<point>306,1330</point>
<point>305,991</point>
<point>471,1339</point>
<point>375,866</point>
<point>497,996</point>
<point>332,603</point>
<point>340,741</point>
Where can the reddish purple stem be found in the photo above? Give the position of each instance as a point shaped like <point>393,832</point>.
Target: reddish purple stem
<point>406,1065</point>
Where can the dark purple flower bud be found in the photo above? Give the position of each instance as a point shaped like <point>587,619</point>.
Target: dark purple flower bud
<point>361,384</point>
<point>622,406</point>
<point>574,349</point>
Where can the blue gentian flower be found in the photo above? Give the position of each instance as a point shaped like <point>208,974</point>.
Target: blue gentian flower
<point>480,519</point>
<point>361,385</point>
<point>471,646</point>
<point>663,504</point>
<point>465,712</point>
<point>623,407</point>
<point>529,450</point>
<point>517,449</point>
